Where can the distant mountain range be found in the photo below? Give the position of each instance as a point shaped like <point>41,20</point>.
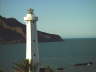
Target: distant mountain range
<point>12,31</point>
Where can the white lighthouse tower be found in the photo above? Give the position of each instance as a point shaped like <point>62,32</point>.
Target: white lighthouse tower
<point>32,53</point>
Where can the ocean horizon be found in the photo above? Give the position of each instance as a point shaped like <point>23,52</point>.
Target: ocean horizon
<point>55,54</point>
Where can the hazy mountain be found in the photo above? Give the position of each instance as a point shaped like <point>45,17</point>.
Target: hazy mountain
<point>12,30</point>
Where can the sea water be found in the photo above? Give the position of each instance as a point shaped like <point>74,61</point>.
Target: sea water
<point>54,54</point>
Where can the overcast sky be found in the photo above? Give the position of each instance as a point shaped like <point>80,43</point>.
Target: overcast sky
<point>68,18</point>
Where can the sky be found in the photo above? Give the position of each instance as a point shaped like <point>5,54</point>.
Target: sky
<point>67,18</point>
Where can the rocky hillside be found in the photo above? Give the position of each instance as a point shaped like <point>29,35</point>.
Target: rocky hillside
<point>12,31</point>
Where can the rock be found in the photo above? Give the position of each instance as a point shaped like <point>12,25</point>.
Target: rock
<point>84,64</point>
<point>12,31</point>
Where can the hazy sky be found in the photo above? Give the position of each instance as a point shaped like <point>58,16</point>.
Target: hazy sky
<point>68,18</point>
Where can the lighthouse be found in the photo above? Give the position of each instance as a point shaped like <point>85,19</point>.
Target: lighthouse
<point>32,53</point>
